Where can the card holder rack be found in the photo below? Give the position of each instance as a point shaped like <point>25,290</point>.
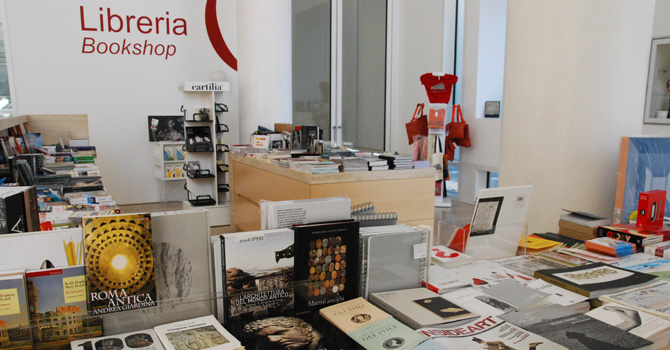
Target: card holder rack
<point>200,200</point>
<point>201,174</point>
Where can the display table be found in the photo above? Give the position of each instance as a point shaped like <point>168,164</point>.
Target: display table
<point>409,193</point>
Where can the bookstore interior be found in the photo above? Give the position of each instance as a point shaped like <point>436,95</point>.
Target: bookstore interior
<point>300,263</point>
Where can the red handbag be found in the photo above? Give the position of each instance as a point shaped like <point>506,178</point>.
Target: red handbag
<point>458,130</point>
<point>418,126</point>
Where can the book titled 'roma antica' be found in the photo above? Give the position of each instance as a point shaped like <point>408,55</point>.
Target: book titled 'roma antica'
<point>119,263</point>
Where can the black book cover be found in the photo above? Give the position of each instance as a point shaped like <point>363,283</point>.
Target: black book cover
<point>326,264</point>
<point>12,216</point>
<point>593,280</point>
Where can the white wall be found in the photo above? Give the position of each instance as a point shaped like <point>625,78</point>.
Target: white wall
<point>51,75</point>
<point>575,80</point>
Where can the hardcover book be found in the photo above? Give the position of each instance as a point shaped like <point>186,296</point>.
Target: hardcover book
<point>15,331</point>
<point>259,275</point>
<point>326,264</point>
<point>595,279</point>
<point>285,214</point>
<point>58,308</point>
<point>420,307</point>
<point>119,260</point>
<point>637,322</point>
<point>353,314</point>
<point>196,333</point>
<point>574,330</point>
<point>441,280</point>
<point>584,219</point>
<point>630,233</point>
<point>145,339</point>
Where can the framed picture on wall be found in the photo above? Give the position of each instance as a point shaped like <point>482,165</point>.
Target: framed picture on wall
<point>492,109</point>
<point>657,102</point>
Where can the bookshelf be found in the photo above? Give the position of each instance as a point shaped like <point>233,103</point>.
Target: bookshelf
<point>203,114</point>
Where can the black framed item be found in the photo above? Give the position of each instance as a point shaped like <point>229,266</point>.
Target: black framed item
<point>492,109</point>
<point>166,128</point>
<point>486,214</point>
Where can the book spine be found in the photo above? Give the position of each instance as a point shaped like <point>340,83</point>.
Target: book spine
<point>622,236</point>
<point>562,284</point>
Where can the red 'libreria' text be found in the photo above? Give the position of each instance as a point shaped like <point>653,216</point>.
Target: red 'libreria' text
<point>105,20</point>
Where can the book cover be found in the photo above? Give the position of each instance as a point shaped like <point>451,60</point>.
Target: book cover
<point>326,264</point>
<point>259,275</point>
<point>610,246</point>
<point>12,216</point>
<point>196,333</point>
<point>584,219</point>
<point>661,249</point>
<point>59,248</point>
<point>574,330</point>
<point>489,333</point>
<point>479,302</point>
<point>561,258</point>
<point>441,280</point>
<point>446,257</point>
<point>483,274</point>
<point>652,298</point>
<point>387,333</point>
<point>595,279</point>
<point>643,262</point>
<point>527,264</point>
<point>637,322</point>
<point>15,332</point>
<point>353,314</point>
<point>517,294</point>
<point>285,214</point>
<point>145,339</point>
<point>420,307</point>
<point>119,261</point>
<point>58,307</point>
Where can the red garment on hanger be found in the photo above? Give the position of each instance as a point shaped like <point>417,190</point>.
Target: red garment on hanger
<point>438,87</point>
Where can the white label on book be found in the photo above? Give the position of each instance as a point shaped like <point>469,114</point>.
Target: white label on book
<point>420,251</point>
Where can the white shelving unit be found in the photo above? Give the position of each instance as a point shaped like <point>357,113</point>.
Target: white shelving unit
<point>167,169</point>
<point>202,100</point>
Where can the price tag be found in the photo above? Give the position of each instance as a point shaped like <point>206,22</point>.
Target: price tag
<point>420,251</point>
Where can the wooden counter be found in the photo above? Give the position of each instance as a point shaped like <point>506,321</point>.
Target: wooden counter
<point>410,193</point>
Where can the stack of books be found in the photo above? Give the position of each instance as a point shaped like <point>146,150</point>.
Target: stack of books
<point>580,225</point>
<point>610,246</point>
<point>377,164</point>
<point>630,233</point>
<point>349,164</point>
<point>397,162</point>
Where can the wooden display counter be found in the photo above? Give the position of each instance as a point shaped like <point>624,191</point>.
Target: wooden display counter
<point>410,193</point>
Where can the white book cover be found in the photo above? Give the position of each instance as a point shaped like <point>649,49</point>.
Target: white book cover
<point>479,302</point>
<point>441,280</point>
<point>145,339</point>
<point>652,298</point>
<point>659,249</point>
<point>643,262</point>
<point>197,333</point>
<point>638,322</point>
<point>47,249</point>
<point>284,214</point>
<point>483,274</point>
<point>557,295</point>
<point>446,257</point>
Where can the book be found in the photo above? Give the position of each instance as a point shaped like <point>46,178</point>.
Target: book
<point>527,264</point>
<point>58,307</point>
<point>574,330</point>
<point>517,294</point>
<point>661,249</point>
<point>441,280</point>
<point>12,212</point>
<point>562,258</point>
<point>327,264</point>
<point>483,274</point>
<point>371,327</point>
<point>489,332</point>
<point>561,296</point>
<point>15,330</point>
<point>640,323</point>
<point>196,333</point>
<point>479,301</point>
<point>392,257</point>
<point>652,298</point>
<point>145,339</point>
<point>285,214</point>
<point>119,261</point>
<point>643,262</point>
<point>533,244</point>
<point>610,246</point>
<point>447,257</point>
<point>584,219</point>
<point>258,276</point>
<point>59,248</point>
<point>576,231</point>
<point>420,307</point>
<point>594,280</point>
<point>629,233</point>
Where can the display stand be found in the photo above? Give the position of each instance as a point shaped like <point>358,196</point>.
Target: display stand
<point>203,114</point>
<point>168,168</point>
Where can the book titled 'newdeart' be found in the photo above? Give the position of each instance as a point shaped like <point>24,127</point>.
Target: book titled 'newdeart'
<point>119,262</point>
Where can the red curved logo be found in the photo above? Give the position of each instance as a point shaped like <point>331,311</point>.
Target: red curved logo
<point>215,37</point>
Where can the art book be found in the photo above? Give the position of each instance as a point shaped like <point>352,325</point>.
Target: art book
<point>119,261</point>
<point>196,333</point>
<point>483,274</point>
<point>637,322</point>
<point>595,279</point>
<point>326,264</point>
<point>371,327</point>
<point>259,275</point>
<point>420,307</point>
<point>145,339</point>
<point>441,280</point>
<point>58,308</point>
<point>652,298</point>
<point>489,333</point>
<point>15,332</point>
<point>574,330</point>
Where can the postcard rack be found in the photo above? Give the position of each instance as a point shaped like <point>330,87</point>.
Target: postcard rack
<point>201,173</point>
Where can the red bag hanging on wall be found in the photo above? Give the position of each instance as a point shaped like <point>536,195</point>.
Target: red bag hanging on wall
<point>418,126</point>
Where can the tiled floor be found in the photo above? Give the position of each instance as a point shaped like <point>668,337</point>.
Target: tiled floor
<point>457,213</point>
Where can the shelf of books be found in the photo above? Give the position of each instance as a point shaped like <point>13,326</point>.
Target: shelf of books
<point>315,279</point>
<point>203,122</point>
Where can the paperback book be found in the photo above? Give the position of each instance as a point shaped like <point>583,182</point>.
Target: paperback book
<point>196,333</point>
<point>58,308</point>
<point>447,257</point>
<point>145,339</point>
<point>420,307</point>
<point>574,330</point>
<point>610,246</point>
<point>484,274</point>
<point>441,280</point>
<point>259,275</point>
<point>637,322</point>
<point>119,261</point>
<point>652,298</point>
<point>326,264</point>
<point>15,331</point>
<point>659,249</point>
<point>527,264</point>
<point>285,214</point>
<point>595,279</point>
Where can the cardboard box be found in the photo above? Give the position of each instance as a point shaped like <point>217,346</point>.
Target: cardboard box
<point>281,127</point>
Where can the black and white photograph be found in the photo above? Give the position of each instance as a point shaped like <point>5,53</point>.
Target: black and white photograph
<point>166,128</point>
<point>199,139</point>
